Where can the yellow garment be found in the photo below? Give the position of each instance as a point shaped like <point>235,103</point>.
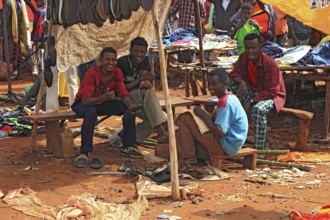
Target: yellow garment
<point>325,39</point>
<point>317,18</point>
<point>25,21</point>
<point>305,157</point>
<point>63,88</point>
<point>14,23</point>
<point>14,26</point>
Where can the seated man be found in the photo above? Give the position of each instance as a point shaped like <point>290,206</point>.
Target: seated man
<point>224,136</point>
<point>259,84</point>
<point>138,82</point>
<point>96,96</point>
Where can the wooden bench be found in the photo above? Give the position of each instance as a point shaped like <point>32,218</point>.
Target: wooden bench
<point>249,155</point>
<point>55,120</point>
<point>304,117</point>
<point>53,133</point>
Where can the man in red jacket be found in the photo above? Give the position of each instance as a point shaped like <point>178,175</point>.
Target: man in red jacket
<point>96,96</point>
<point>259,84</point>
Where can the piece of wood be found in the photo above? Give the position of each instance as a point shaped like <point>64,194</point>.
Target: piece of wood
<point>298,113</point>
<point>302,136</point>
<point>200,42</point>
<point>170,121</point>
<point>53,136</point>
<point>41,89</point>
<point>326,117</point>
<point>52,116</point>
<point>250,161</point>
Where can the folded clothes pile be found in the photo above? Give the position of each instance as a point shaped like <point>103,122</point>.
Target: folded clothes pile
<point>70,12</point>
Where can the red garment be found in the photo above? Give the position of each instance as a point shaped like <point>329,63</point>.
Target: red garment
<point>261,16</point>
<point>92,85</point>
<point>186,11</point>
<point>270,84</point>
<point>252,75</point>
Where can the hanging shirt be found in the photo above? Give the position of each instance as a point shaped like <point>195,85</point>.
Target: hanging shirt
<point>37,34</point>
<point>261,16</point>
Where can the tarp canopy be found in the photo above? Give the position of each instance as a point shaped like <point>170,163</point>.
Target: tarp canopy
<point>81,43</point>
<point>313,13</point>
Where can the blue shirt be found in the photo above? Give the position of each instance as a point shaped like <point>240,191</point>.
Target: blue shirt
<point>231,124</point>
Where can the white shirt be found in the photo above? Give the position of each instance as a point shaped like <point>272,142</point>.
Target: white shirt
<point>225,4</point>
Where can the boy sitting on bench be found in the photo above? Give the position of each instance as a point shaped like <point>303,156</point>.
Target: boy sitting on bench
<point>224,136</point>
<point>96,96</point>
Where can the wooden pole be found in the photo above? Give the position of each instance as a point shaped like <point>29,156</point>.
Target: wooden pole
<point>4,24</point>
<point>40,92</point>
<point>326,119</point>
<point>170,122</point>
<point>200,37</point>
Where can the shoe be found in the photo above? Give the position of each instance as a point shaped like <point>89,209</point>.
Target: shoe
<point>81,161</point>
<point>51,50</point>
<point>96,164</point>
<point>48,72</point>
<point>131,152</point>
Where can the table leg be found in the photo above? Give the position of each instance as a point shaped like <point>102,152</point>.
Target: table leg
<point>53,137</point>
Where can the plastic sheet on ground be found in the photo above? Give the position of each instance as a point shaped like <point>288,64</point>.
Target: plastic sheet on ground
<point>80,207</point>
<point>305,157</point>
<point>148,188</point>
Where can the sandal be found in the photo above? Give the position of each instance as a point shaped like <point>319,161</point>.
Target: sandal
<point>48,72</point>
<point>96,164</point>
<point>81,161</point>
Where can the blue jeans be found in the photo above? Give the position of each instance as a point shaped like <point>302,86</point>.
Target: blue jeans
<point>90,112</point>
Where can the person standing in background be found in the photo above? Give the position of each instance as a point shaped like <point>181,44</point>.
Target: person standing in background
<point>298,32</point>
<point>186,11</point>
<point>224,10</point>
<point>281,27</point>
<point>37,34</point>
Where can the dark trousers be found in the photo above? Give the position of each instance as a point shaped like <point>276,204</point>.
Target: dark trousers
<point>90,112</point>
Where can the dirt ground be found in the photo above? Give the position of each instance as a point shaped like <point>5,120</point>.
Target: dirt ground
<point>271,196</point>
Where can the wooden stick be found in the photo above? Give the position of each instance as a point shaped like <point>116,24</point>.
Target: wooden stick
<point>326,117</point>
<point>200,37</point>
<point>170,122</point>
<point>4,24</point>
<point>40,92</point>
<point>274,152</point>
<point>274,163</point>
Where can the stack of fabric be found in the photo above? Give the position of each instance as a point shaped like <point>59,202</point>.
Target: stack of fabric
<point>70,12</point>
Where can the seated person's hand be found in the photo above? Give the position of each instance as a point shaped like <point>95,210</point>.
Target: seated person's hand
<point>146,84</point>
<point>254,23</point>
<point>240,24</point>
<point>242,90</point>
<point>148,77</point>
<point>200,112</point>
<point>109,95</point>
